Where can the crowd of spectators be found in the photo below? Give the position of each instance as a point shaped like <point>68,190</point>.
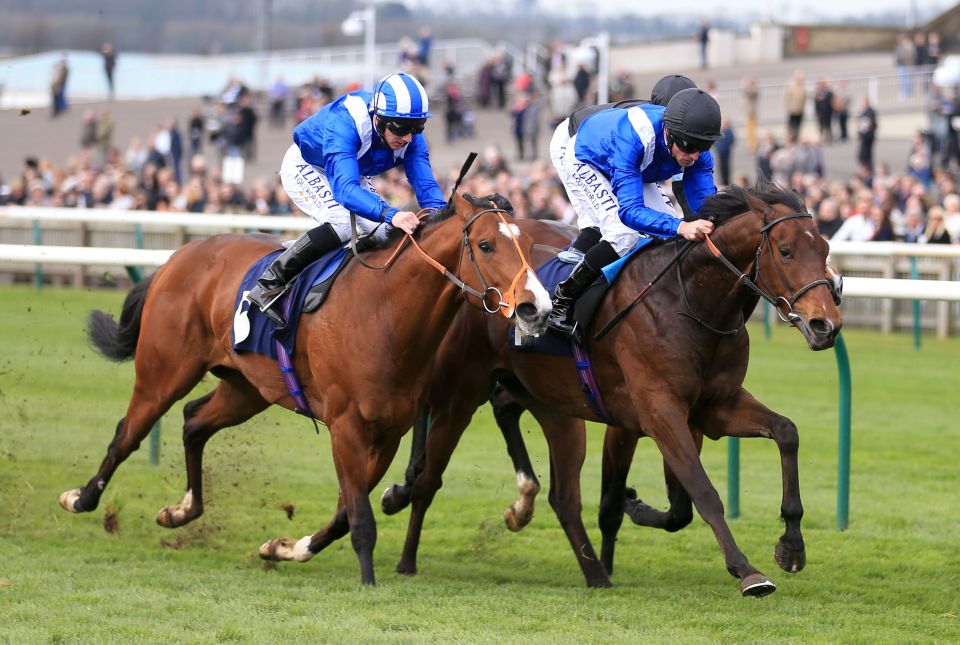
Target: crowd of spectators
<point>918,201</point>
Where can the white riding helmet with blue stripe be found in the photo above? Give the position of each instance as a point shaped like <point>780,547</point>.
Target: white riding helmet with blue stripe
<point>400,96</point>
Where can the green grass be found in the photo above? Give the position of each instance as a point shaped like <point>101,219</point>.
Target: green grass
<point>894,576</point>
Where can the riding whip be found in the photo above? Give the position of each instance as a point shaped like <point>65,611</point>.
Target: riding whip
<point>686,246</point>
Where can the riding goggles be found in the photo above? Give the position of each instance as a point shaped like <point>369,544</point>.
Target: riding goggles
<point>690,145</point>
<point>403,127</point>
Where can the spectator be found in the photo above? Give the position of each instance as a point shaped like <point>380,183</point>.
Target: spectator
<point>751,98</point>
<point>913,230</point>
<point>828,218</point>
<point>278,96</point>
<point>866,132</point>
<point>453,112</point>
<point>823,106</point>
<point>703,39</point>
<point>109,63</point>
<point>933,49</point>
<point>58,87</point>
<point>765,151</point>
<point>195,128</point>
<point>88,130</point>
<point>951,216</point>
<point>722,148</point>
<point>104,134</point>
<point>841,109</point>
<point>563,96</point>
<point>581,83</point>
<point>794,102</point>
<point>518,110</point>
<point>424,45</point>
<point>621,87</point>
<point>905,55</point>
<point>500,77</point>
<point>935,231</point>
<point>248,125</point>
<point>532,120</point>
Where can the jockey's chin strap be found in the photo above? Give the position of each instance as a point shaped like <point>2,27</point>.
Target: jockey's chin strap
<point>753,283</point>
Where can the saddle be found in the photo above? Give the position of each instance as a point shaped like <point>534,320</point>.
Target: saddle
<point>254,332</point>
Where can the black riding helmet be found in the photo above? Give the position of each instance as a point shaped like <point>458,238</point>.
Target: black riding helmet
<point>668,86</point>
<point>693,115</point>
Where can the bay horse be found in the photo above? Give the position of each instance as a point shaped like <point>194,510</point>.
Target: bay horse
<point>672,370</point>
<point>363,358</point>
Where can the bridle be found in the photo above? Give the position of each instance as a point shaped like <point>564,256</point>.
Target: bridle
<point>505,305</point>
<point>784,305</point>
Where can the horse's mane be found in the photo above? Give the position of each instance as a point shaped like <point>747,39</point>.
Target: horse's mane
<point>495,200</point>
<point>732,201</point>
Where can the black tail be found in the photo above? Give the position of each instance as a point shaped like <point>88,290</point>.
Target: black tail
<point>118,341</point>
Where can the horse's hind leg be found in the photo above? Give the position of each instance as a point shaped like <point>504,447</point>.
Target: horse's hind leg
<point>619,446</point>
<point>233,402</point>
<point>507,412</point>
<point>397,497</point>
<point>169,378</point>
<point>678,515</point>
<point>567,440</point>
<point>744,416</point>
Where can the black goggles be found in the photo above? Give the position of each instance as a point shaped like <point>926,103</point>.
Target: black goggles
<point>403,127</point>
<point>691,146</point>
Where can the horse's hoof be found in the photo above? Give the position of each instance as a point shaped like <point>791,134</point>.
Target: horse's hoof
<point>600,584</point>
<point>406,569</point>
<point>68,499</point>
<point>172,518</point>
<point>395,498</point>
<point>757,585</point>
<point>790,560</point>
<point>286,549</point>
<point>516,521</point>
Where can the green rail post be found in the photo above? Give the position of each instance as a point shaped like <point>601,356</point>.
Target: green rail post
<point>733,477</point>
<point>37,268</point>
<point>915,275</point>
<point>136,274</point>
<point>843,446</point>
<point>767,326</point>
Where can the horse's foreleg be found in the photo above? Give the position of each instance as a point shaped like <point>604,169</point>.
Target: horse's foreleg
<point>568,445</point>
<point>507,412</point>
<point>153,394</point>
<point>231,403</point>
<point>359,468</point>
<point>668,427</point>
<point>744,416</point>
<point>619,446</point>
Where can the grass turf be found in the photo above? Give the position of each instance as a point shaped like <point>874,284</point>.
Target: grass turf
<point>894,576</point>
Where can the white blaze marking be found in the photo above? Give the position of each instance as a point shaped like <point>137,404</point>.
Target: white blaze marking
<point>512,231</point>
<point>543,301</point>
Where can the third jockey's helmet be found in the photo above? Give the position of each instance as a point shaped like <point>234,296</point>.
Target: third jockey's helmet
<point>669,85</point>
<point>400,96</point>
<point>693,114</point>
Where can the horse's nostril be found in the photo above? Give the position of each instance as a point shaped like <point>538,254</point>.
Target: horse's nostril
<point>821,326</point>
<point>527,311</point>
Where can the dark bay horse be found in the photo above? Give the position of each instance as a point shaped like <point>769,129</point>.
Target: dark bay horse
<point>363,359</point>
<point>668,371</point>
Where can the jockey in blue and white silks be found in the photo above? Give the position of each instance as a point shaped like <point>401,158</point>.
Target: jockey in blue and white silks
<point>611,168</point>
<point>327,173</point>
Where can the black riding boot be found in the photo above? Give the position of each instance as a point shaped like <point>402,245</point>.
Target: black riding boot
<point>280,274</point>
<point>568,291</point>
<point>561,318</point>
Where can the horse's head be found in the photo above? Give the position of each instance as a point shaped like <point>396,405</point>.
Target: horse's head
<point>791,266</point>
<point>499,252</point>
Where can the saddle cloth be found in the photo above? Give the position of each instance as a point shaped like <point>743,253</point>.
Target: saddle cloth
<point>255,332</point>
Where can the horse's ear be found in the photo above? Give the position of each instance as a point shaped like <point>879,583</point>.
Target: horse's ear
<point>759,205</point>
<point>460,205</point>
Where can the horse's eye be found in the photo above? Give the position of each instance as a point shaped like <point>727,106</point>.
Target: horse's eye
<point>784,252</point>
<point>485,246</point>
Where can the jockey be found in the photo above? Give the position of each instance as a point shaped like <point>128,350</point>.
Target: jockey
<point>610,168</point>
<point>328,168</point>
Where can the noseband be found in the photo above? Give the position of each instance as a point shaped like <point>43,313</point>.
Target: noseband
<point>753,282</point>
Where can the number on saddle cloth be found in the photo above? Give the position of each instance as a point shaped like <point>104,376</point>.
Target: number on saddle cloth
<point>255,332</point>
